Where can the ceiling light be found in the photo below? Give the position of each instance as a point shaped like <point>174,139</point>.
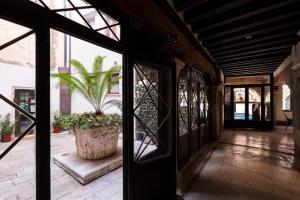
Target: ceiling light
<point>248,37</point>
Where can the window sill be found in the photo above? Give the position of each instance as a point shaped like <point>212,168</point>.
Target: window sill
<point>287,111</point>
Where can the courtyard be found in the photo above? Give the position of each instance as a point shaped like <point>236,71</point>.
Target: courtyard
<point>17,177</point>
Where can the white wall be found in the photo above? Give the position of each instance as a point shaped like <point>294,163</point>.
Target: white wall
<point>14,77</point>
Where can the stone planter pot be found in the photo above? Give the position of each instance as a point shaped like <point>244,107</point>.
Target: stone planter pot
<point>96,143</point>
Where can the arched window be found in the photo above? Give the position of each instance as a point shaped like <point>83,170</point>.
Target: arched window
<point>286,97</point>
<point>253,96</point>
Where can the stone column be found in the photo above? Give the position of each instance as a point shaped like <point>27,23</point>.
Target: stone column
<point>295,83</point>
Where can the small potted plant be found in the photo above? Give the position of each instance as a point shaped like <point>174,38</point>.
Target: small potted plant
<point>57,124</point>
<point>7,128</point>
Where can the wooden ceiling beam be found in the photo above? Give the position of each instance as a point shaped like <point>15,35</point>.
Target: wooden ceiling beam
<point>193,15</point>
<point>260,60</point>
<point>187,4</point>
<point>266,31</point>
<point>262,45</point>
<point>250,73</point>
<point>266,57</point>
<point>254,52</point>
<point>247,43</point>
<point>246,26</point>
<point>274,6</point>
<point>252,57</point>
<point>232,65</point>
<point>275,64</point>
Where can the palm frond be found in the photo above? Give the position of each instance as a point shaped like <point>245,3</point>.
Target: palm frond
<point>98,64</point>
<point>112,102</point>
<point>82,71</point>
<point>93,86</point>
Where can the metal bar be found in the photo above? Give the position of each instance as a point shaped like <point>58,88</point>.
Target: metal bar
<point>17,140</point>
<point>43,112</point>
<point>45,5</point>
<point>100,29</point>
<point>17,107</point>
<point>79,13</point>
<point>107,24</point>
<point>16,39</point>
<point>26,18</point>
<point>71,9</point>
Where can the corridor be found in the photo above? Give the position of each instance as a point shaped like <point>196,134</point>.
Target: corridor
<point>248,164</point>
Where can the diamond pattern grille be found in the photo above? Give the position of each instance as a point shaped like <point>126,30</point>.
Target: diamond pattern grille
<point>147,116</point>
<point>85,14</point>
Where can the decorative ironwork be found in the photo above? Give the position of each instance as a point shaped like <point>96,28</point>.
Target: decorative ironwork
<point>28,129</point>
<point>183,106</point>
<point>147,115</point>
<point>83,13</point>
<point>14,105</point>
<point>194,106</point>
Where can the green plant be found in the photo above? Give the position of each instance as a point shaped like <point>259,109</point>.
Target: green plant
<point>57,121</point>
<point>94,86</point>
<point>6,125</point>
<point>90,120</point>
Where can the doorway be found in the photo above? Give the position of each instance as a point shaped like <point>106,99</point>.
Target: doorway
<point>248,105</point>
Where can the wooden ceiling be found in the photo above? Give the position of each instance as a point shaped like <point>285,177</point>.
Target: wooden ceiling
<point>244,37</point>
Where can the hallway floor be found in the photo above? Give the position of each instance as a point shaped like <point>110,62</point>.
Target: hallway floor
<point>247,164</point>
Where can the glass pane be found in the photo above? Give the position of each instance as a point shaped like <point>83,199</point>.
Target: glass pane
<point>71,174</point>
<point>146,111</point>
<point>93,18</point>
<point>183,106</point>
<point>242,80</point>
<point>17,85</point>
<point>37,2</point>
<point>227,104</point>
<point>239,103</point>
<point>202,106</point>
<point>151,112</point>
<point>255,103</point>
<point>206,104</point>
<point>194,106</point>
<point>80,3</point>
<point>267,103</point>
<point>10,31</point>
<point>73,15</point>
<point>56,4</point>
<point>286,97</point>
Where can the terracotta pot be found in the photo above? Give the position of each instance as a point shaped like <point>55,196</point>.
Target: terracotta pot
<point>96,143</point>
<point>56,130</point>
<point>6,138</point>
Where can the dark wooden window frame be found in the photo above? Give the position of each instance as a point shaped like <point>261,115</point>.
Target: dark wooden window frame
<point>262,124</point>
<point>41,20</point>
<point>204,128</point>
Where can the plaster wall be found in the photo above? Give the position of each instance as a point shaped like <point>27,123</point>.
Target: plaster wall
<point>289,73</point>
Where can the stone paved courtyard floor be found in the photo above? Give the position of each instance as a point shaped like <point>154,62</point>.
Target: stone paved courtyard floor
<point>17,174</point>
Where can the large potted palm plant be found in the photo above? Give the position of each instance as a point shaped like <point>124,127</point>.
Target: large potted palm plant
<point>96,133</point>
